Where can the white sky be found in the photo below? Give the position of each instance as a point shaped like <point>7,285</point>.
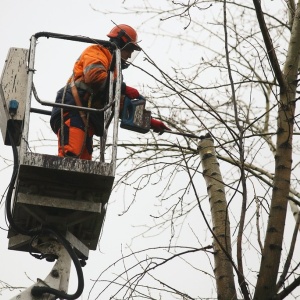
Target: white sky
<point>19,21</point>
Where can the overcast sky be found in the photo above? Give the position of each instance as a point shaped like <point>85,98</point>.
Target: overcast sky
<point>20,19</point>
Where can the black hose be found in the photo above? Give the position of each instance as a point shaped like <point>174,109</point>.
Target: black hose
<point>14,226</point>
<point>38,290</point>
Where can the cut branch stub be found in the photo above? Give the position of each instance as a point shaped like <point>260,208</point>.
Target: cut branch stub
<point>221,227</point>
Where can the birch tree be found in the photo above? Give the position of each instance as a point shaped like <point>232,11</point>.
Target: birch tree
<point>267,278</point>
<point>240,86</point>
<point>221,229</point>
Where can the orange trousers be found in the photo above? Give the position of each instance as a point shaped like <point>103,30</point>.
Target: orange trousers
<point>76,143</point>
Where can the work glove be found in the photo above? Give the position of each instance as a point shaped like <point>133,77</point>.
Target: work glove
<point>158,126</point>
<point>131,93</point>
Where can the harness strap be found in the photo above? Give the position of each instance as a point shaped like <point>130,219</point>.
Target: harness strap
<point>77,100</point>
<point>81,85</point>
<point>84,117</point>
<point>78,103</point>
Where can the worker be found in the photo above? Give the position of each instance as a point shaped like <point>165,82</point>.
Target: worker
<point>88,87</point>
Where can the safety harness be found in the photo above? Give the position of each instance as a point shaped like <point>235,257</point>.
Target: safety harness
<point>85,117</point>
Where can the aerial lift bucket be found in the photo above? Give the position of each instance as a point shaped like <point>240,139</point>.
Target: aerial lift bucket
<point>68,194</point>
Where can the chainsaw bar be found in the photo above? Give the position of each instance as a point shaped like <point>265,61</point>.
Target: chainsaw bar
<point>184,134</point>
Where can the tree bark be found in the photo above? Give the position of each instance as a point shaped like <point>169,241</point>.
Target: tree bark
<point>221,227</point>
<point>266,283</point>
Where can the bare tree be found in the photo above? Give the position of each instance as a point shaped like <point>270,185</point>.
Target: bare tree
<point>230,69</point>
<point>234,88</point>
<point>266,284</point>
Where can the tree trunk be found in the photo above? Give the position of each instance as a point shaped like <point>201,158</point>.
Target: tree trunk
<point>221,227</point>
<point>266,283</point>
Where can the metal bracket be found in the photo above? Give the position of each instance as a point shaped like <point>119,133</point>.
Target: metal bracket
<point>58,277</point>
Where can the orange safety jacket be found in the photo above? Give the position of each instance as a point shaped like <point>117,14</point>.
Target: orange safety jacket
<point>88,82</point>
<point>91,70</point>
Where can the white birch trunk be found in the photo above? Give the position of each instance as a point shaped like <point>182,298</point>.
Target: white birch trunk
<point>221,226</point>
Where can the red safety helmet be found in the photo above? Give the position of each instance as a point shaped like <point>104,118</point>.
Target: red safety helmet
<point>126,33</point>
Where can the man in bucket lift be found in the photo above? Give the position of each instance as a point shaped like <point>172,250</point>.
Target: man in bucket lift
<point>88,87</point>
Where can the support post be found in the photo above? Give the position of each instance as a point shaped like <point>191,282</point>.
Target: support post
<point>59,276</point>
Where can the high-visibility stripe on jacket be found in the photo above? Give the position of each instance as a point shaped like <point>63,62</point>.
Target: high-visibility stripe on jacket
<point>91,69</point>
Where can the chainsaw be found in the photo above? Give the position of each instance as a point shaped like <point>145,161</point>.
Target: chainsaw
<point>136,118</point>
